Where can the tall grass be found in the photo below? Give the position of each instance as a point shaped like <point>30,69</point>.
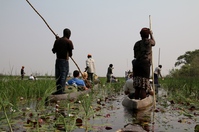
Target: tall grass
<point>182,89</point>
<point>14,90</point>
<point>27,97</point>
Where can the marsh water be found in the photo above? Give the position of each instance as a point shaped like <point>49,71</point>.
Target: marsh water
<point>164,117</point>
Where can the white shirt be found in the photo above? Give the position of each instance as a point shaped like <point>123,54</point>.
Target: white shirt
<point>157,70</point>
<point>128,86</point>
<point>31,78</point>
<point>90,63</point>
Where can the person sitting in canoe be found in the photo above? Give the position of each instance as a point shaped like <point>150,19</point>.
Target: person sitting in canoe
<point>86,81</point>
<point>128,87</point>
<point>76,81</point>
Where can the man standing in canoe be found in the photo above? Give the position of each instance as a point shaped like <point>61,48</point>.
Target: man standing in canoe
<point>109,73</point>
<point>22,72</point>
<point>157,73</point>
<point>143,60</point>
<point>90,67</point>
<point>63,48</point>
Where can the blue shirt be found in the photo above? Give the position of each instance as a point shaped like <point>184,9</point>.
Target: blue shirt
<point>77,81</point>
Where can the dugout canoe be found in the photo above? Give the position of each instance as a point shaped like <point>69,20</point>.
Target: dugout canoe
<point>69,96</point>
<point>137,104</point>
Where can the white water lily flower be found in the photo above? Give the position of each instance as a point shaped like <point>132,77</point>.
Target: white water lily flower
<point>87,95</point>
<point>27,108</point>
<point>98,100</point>
<point>12,110</point>
<point>70,115</point>
<point>79,101</point>
<point>56,105</point>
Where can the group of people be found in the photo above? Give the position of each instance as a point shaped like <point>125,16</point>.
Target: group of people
<point>138,85</point>
<point>31,77</point>
<point>63,48</point>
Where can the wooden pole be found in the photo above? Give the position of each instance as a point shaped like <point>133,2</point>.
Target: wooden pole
<point>52,32</point>
<point>159,57</point>
<point>41,18</point>
<point>154,99</point>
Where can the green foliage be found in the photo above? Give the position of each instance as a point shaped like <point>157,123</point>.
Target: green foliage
<point>189,65</point>
<point>187,58</point>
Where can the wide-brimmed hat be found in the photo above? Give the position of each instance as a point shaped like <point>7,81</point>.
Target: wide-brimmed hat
<point>84,75</point>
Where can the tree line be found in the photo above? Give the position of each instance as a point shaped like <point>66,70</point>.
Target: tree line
<point>187,65</point>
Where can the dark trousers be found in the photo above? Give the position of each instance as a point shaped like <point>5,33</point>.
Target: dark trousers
<point>61,73</point>
<point>90,76</point>
<point>156,79</point>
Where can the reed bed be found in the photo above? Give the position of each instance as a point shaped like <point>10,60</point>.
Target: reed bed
<point>182,89</point>
<point>24,100</point>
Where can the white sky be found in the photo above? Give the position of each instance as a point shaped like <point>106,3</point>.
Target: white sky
<point>107,29</point>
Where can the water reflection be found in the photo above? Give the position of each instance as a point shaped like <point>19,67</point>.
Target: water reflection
<point>142,118</point>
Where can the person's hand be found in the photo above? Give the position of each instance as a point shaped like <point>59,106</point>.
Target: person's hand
<point>151,32</point>
<point>56,36</point>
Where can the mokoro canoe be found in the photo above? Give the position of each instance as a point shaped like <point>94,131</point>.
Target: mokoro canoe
<point>137,104</point>
<point>69,95</point>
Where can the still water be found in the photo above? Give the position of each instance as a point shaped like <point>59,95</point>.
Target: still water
<point>164,117</point>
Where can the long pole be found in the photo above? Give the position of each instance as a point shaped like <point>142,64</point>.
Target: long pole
<point>154,100</point>
<point>41,17</point>
<point>159,57</point>
<point>52,32</point>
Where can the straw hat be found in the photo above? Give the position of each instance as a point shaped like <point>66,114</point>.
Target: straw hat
<point>85,75</point>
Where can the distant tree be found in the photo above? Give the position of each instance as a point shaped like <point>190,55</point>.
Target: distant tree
<point>195,66</point>
<point>187,58</point>
<point>189,65</point>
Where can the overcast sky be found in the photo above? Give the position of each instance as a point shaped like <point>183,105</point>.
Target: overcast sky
<point>107,29</point>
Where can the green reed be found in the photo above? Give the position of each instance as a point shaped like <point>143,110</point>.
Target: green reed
<point>31,95</point>
<point>182,89</point>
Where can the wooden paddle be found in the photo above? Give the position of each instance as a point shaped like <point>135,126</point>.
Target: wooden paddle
<point>52,32</point>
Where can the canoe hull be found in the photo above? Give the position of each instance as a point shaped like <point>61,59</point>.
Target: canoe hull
<point>69,96</point>
<point>137,104</point>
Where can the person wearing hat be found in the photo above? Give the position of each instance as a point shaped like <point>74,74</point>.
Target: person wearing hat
<point>90,67</point>
<point>143,60</point>
<point>85,78</point>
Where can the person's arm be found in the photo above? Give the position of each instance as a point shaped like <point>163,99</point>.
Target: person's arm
<point>94,66</point>
<point>87,65</point>
<point>71,47</point>
<point>152,38</point>
<point>159,72</point>
<point>54,47</point>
